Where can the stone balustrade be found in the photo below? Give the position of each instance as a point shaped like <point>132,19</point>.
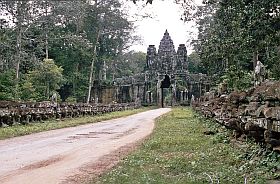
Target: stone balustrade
<point>255,113</point>
<point>13,113</point>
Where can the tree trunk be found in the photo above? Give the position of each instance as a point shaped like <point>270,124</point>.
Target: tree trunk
<point>91,67</point>
<point>47,46</point>
<point>255,58</point>
<point>46,30</point>
<point>18,58</point>
<point>19,18</point>
<point>48,90</point>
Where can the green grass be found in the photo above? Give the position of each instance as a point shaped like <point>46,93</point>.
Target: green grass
<point>19,130</point>
<point>179,152</point>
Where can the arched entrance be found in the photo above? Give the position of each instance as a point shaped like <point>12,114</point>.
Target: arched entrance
<point>165,90</point>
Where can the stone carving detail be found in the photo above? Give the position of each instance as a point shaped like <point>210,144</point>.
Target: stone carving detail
<point>182,57</point>
<point>167,63</point>
<point>166,45</point>
<point>167,60</point>
<point>151,55</point>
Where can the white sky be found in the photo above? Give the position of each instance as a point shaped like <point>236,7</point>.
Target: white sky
<point>166,15</point>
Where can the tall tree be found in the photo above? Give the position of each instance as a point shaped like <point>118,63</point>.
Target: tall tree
<point>47,78</point>
<point>237,33</point>
<point>112,32</point>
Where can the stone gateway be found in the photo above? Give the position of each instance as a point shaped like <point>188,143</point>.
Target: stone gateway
<point>165,81</point>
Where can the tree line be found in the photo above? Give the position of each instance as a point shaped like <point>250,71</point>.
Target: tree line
<point>61,46</point>
<point>234,35</point>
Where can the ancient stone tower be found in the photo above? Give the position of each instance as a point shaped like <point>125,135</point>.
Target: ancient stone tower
<point>166,60</point>
<point>165,81</point>
<point>165,69</point>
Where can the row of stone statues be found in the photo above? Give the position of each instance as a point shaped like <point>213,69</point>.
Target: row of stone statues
<point>254,113</point>
<point>12,113</point>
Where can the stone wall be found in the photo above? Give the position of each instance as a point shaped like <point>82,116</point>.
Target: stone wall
<point>12,113</point>
<point>255,113</point>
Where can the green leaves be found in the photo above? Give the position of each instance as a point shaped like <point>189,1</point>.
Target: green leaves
<point>237,79</point>
<point>232,32</point>
<point>195,64</point>
<point>7,83</point>
<point>65,31</point>
<point>133,62</point>
<point>47,78</point>
<point>28,91</point>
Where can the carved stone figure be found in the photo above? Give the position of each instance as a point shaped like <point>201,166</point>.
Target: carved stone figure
<point>192,100</point>
<point>151,55</point>
<point>259,73</point>
<point>182,57</point>
<point>54,99</point>
<point>222,88</point>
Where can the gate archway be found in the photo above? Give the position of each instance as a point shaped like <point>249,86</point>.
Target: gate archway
<point>165,84</point>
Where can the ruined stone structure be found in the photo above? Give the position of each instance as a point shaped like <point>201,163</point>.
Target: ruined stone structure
<point>255,113</point>
<point>168,77</point>
<point>14,113</point>
<point>166,80</point>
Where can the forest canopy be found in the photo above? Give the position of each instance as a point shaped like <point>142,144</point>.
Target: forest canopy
<point>78,40</point>
<point>75,39</point>
<point>234,35</point>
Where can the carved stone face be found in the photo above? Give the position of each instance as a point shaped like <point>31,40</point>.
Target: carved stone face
<point>167,61</point>
<point>166,45</point>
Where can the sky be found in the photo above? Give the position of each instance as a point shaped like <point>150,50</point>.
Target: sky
<point>166,15</point>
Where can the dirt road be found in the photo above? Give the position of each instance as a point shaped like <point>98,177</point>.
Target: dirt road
<point>72,154</point>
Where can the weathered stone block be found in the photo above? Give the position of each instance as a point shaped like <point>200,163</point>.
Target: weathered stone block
<point>251,109</point>
<point>260,122</point>
<point>272,112</point>
<point>260,111</point>
<point>275,126</point>
<point>232,123</point>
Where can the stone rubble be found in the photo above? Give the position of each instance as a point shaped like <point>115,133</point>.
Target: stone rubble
<point>255,113</point>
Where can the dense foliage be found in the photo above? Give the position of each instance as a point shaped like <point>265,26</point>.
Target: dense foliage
<point>49,46</point>
<point>86,39</point>
<point>133,62</point>
<point>233,35</point>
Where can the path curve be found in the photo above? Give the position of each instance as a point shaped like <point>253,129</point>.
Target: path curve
<point>53,157</point>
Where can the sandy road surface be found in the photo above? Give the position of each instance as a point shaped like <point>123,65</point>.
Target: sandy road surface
<point>55,156</point>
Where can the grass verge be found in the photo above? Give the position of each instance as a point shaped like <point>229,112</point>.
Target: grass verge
<point>179,152</point>
<point>19,130</point>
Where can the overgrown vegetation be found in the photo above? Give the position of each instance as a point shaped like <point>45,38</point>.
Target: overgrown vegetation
<point>233,35</point>
<point>77,36</point>
<point>87,39</point>
<point>19,130</point>
<point>237,79</point>
<point>179,152</point>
